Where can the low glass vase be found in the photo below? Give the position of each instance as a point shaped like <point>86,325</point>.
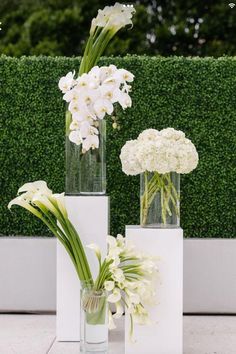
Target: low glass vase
<point>93,321</point>
<point>159,200</point>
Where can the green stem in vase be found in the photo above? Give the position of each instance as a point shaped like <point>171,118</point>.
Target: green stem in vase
<point>169,198</point>
<point>174,196</point>
<point>144,208</point>
<point>94,304</point>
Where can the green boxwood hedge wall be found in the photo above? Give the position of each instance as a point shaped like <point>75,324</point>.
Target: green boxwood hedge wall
<point>196,95</point>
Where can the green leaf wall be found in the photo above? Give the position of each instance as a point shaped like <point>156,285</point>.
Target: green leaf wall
<point>196,95</point>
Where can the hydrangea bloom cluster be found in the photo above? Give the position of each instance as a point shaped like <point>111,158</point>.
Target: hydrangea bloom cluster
<point>162,151</point>
<point>90,97</point>
<point>129,278</point>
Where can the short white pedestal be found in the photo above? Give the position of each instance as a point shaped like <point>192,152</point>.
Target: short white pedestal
<point>165,335</point>
<point>90,217</point>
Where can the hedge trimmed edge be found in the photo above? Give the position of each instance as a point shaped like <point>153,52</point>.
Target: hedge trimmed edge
<point>196,95</point>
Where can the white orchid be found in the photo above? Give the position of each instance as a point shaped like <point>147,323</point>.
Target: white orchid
<point>91,97</point>
<point>125,100</point>
<point>74,125</point>
<point>90,142</point>
<point>66,82</point>
<point>75,137</point>
<point>102,107</point>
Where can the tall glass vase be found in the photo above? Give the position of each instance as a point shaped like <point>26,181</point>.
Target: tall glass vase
<point>93,321</point>
<point>159,200</point>
<point>86,172</point>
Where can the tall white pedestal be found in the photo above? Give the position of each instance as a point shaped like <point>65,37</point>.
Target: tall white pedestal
<point>164,335</point>
<point>90,217</point>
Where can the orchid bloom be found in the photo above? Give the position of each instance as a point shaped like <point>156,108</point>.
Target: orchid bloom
<point>92,95</point>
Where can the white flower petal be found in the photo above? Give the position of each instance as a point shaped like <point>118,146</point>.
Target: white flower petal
<point>109,285</point>
<point>119,310</point>
<point>96,249</point>
<point>111,323</point>
<point>114,296</point>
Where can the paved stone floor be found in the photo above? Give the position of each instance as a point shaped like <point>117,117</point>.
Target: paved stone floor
<point>35,334</point>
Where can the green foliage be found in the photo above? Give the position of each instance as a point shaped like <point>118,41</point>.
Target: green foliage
<point>165,27</point>
<point>194,95</point>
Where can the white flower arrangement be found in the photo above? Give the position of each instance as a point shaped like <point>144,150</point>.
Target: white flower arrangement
<point>129,277</point>
<point>95,90</point>
<point>125,274</point>
<point>162,151</point>
<point>158,154</point>
<point>90,97</point>
<point>113,17</point>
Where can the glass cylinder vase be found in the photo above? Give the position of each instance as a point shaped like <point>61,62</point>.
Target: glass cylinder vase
<point>86,172</point>
<point>93,321</point>
<point>159,200</point>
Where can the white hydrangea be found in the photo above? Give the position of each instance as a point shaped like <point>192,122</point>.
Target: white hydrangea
<point>90,97</point>
<point>171,133</point>
<point>129,157</point>
<point>149,134</point>
<point>163,151</point>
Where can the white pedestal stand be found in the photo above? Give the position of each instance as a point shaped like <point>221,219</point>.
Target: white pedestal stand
<point>90,217</point>
<point>164,336</point>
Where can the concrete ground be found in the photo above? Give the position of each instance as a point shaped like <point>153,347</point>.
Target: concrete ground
<point>35,334</point>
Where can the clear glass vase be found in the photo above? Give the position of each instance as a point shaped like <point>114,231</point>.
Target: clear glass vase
<point>86,172</point>
<point>93,321</point>
<point>159,200</point>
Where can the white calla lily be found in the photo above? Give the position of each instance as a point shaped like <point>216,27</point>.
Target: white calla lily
<point>117,274</point>
<point>115,259</point>
<point>111,323</point>
<point>35,187</point>
<point>114,296</point>
<point>109,285</point>
<point>134,298</point>
<point>111,241</point>
<point>97,251</point>
<point>37,198</point>
<point>20,201</point>
<point>119,310</point>
<point>44,203</point>
<point>59,198</point>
